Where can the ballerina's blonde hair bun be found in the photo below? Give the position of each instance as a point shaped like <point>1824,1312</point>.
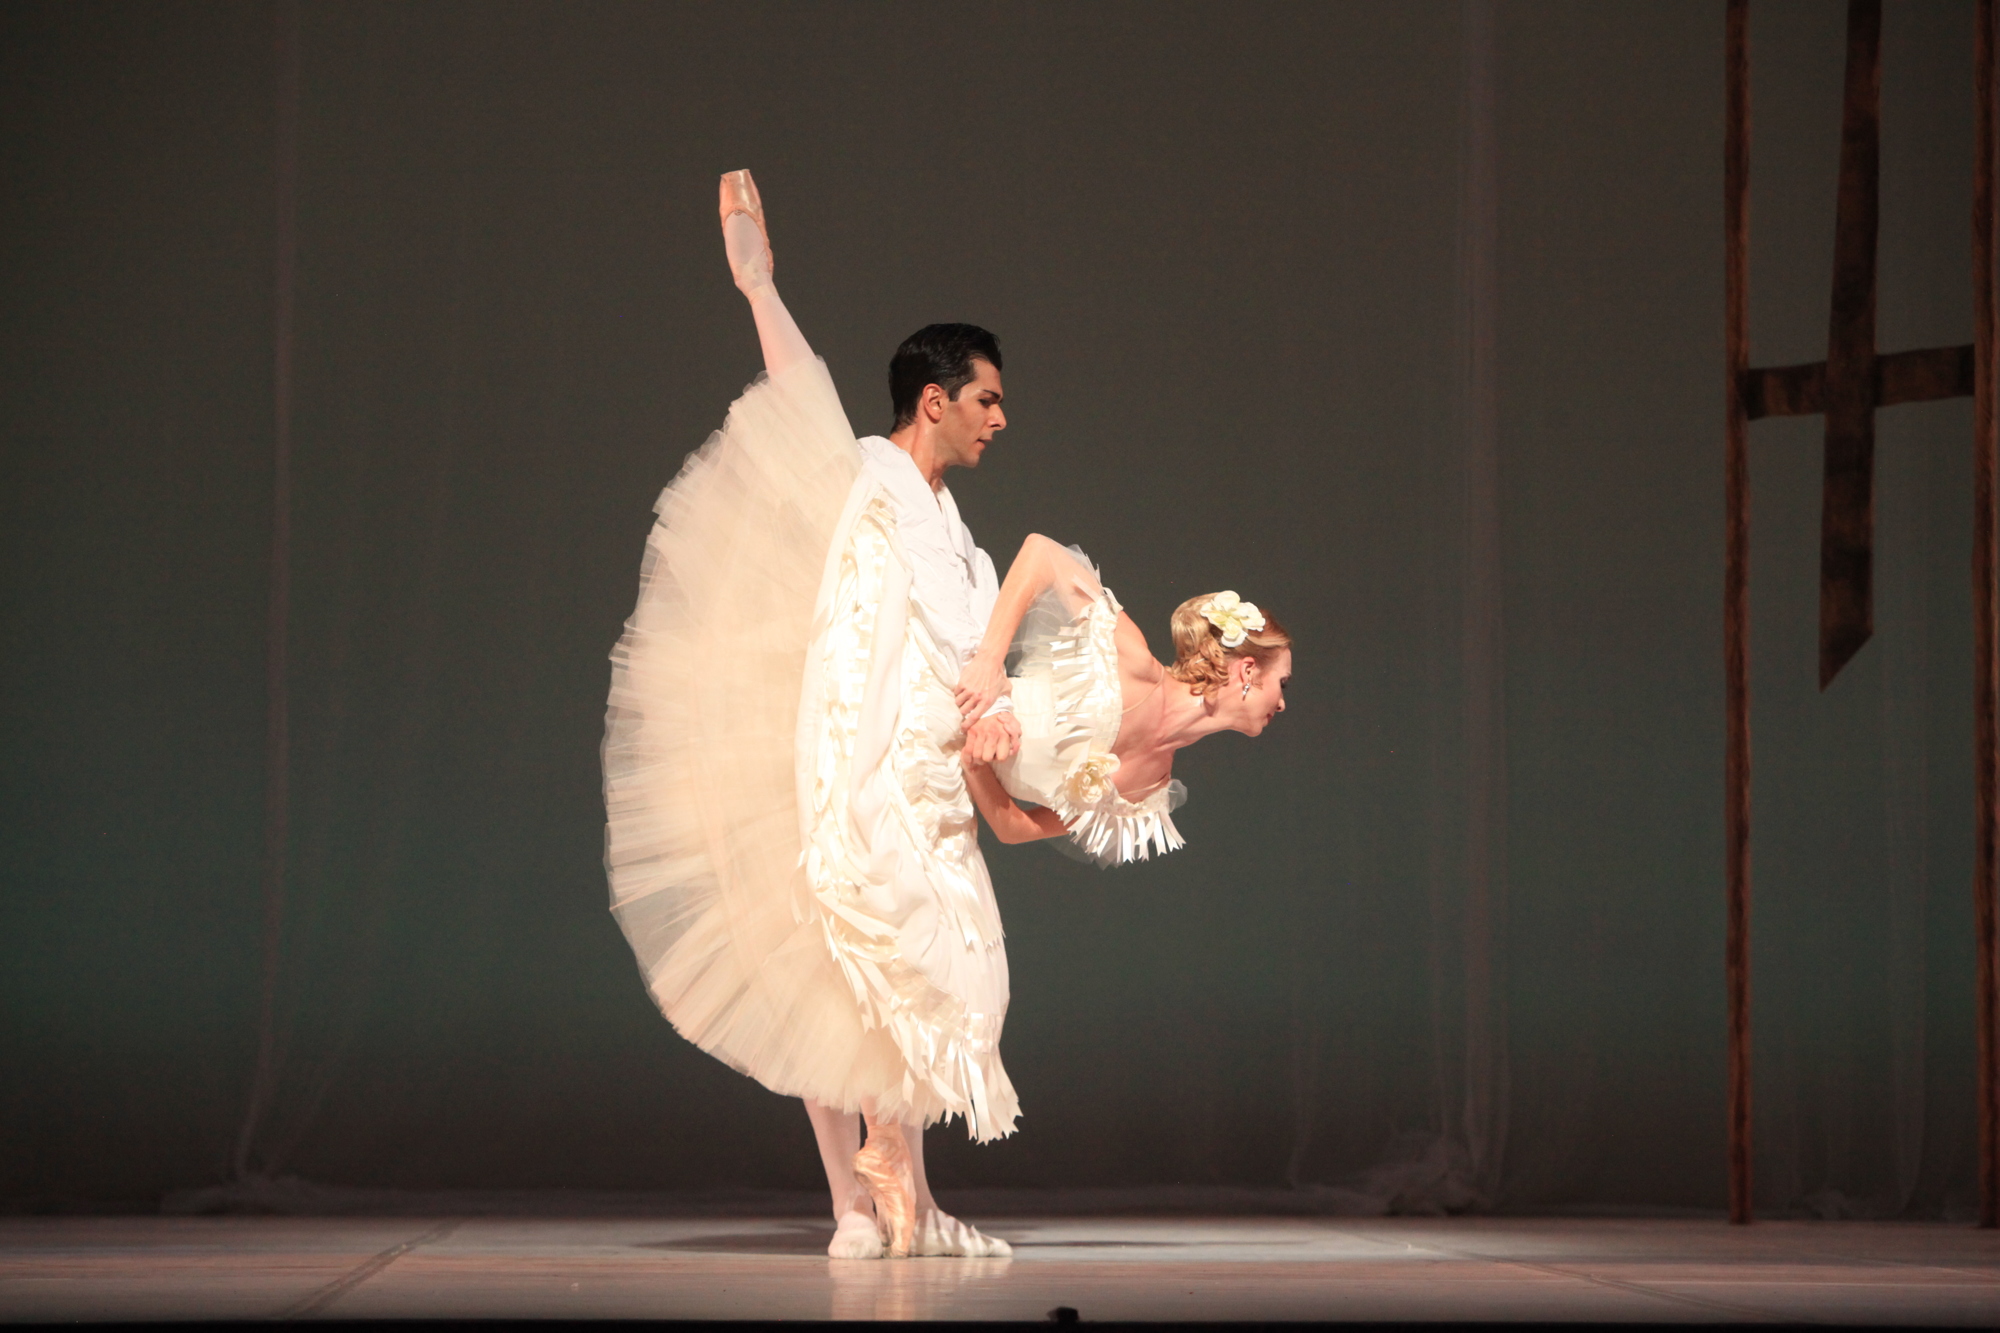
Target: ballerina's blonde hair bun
<point>1200,661</point>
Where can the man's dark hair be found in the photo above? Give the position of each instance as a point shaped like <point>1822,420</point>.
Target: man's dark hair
<point>940,354</point>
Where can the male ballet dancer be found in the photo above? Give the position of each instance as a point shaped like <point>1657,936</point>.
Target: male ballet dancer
<point>946,390</point>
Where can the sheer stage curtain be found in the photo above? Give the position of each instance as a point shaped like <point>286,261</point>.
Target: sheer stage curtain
<point>1565,833</point>
<point>1475,963</point>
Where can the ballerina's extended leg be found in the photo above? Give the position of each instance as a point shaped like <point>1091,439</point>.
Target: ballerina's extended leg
<point>748,245</point>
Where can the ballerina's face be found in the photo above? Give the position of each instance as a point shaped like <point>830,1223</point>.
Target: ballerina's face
<point>970,421</point>
<point>1267,689</point>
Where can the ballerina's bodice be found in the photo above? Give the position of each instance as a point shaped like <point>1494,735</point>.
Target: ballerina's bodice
<point>1069,698</point>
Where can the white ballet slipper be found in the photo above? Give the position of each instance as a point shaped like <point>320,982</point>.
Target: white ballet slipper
<point>939,1234</point>
<point>856,1237</point>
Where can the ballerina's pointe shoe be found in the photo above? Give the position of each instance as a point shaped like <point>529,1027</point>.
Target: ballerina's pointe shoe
<point>743,234</point>
<point>884,1167</point>
<point>939,1233</point>
<point>856,1237</point>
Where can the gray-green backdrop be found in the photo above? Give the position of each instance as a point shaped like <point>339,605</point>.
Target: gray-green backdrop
<point>1401,319</point>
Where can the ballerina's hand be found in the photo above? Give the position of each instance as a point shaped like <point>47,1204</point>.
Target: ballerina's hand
<point>981,682</point>
<point>992,739</point>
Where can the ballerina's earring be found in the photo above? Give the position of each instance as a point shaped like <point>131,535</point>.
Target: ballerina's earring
<point>1246,688</point>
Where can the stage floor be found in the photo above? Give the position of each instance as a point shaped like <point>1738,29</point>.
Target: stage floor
<point>1106,1268</point>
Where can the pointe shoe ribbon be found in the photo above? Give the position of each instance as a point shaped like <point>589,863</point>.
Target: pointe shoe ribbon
<point>944,1235</point>
<point>884,1167</point>
<point>750,261</point>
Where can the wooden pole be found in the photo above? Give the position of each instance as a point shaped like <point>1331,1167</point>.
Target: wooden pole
<point>1985,608</point>
<point>1847,522</point>
<point>1736,592</point>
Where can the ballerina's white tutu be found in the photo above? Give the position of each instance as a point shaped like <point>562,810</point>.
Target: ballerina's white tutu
<point>791,849</point>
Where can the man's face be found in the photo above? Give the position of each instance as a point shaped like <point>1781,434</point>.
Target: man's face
<point>971,420</point>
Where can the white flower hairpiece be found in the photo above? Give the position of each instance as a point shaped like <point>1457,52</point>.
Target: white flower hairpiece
<point>1234,619</point>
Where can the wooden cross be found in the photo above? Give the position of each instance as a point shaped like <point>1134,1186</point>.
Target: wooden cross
<point>1853,380</point>
<point>1846,388</point>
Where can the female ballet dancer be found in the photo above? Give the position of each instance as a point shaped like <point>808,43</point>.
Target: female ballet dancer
<point>1100,718</point>
<point>791,847</point>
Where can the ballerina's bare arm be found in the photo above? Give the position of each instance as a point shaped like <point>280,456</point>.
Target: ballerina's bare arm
<point>1042,565</point>
<point>750,264</point>
<point>1009,822</point>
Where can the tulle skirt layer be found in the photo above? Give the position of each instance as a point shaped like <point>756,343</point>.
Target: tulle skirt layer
<point>702,840</point>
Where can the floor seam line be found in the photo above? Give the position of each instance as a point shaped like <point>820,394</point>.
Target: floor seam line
<point>1695,1301</point>
<point>1613,1283</point>
<point>368,1268</point>
<point>1921,1265</point>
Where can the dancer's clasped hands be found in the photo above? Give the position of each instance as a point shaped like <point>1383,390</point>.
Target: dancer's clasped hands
<point>992,739</point>
<point>980,682</point>
<point>989,737</point>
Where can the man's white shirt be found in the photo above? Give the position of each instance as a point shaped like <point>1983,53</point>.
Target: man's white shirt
<point>953,580</point>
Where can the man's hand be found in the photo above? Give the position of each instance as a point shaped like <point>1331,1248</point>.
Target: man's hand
<point>982,681</point>
<point>992,738</point>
